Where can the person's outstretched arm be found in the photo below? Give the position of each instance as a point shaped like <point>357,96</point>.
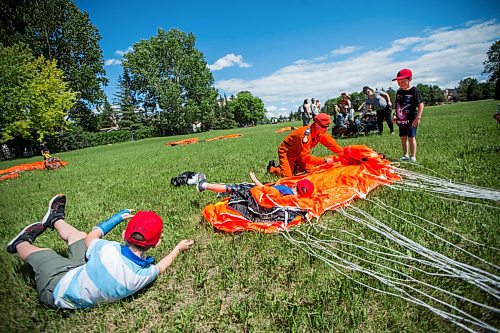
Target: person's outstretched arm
<point>255,180</point>
<point>167,261</point>
<point>106,226</point>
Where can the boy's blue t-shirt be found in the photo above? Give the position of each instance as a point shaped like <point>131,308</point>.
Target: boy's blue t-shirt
<point>283,189</point>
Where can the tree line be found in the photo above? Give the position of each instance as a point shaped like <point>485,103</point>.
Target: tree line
<point>52,77</point>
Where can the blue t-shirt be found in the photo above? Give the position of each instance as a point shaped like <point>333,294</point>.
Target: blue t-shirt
<point>284,190</point>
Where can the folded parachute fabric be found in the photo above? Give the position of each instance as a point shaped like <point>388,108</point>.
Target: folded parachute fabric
<point>284,129</point>
<point>229,136</point>
<point>182,142</point>
<point>352,176</point>
<point>13,172</point>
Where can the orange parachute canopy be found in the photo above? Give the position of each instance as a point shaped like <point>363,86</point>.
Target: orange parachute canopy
<point>13,172</point>
<point>229,136</point>
<point>352,176</point>
<point>182,142</point>
<point>284,129</point>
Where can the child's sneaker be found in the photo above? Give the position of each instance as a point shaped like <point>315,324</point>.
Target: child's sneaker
<point>202,180</point>
<point>28,234</point>
<point>269,165</point>
<point>405,158</point>
<point>55,211</point>
<point>413,159</point>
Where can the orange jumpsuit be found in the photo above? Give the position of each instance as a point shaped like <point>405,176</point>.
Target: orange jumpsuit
<point>295,151</point>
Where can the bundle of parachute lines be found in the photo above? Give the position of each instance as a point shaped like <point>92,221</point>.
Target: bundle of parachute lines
<point>390,266</point>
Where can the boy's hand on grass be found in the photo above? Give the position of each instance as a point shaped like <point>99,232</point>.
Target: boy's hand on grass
<point>185,244</point>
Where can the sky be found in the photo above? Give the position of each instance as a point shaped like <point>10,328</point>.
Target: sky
<point>286,51</point>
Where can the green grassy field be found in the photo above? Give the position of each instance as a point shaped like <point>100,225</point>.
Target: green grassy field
<point>251,282</point>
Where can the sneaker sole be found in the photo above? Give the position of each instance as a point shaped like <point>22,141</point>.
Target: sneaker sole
<point>19,234</point>
<point>50,206</point>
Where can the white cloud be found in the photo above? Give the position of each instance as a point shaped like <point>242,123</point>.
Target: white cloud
<point>275,111</point>
<point>443,57</point>
<point>229,60</point>
<point>123,52</point>
<point>112,62</point>
<point>344,50</point>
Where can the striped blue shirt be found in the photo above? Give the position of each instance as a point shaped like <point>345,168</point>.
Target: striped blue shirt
<point>107,276</point>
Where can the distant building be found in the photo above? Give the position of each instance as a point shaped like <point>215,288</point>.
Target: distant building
<point>451,95</point>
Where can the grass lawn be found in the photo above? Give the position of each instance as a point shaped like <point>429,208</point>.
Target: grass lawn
<point>251,282</point>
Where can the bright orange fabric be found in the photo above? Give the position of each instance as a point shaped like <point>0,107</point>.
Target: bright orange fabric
<point>293,150</point>
<point>13,172</point>
<point>229,136</point>
<point>182,142</point>
<point>284,129</point>
<point>352,176</point>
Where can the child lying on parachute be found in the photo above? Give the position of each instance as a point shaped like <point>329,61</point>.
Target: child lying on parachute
<point>262,203</point>
<point>303,187</point>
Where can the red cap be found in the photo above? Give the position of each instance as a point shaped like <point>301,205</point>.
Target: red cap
<point>305,188</point>
<point>322,119</point>
<point>403,74</point>
<point>148,224</point>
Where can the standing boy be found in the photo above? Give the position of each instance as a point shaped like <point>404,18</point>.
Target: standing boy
<point>96,271</point>
<point>409,108</point>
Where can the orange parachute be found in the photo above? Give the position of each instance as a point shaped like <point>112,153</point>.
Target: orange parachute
<point>352,176</point>
<point>13,172</point>
<point>182,142</point>
<point>229,136</point>
<point>284,129</point>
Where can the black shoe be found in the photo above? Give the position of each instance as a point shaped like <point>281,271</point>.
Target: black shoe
<point>269,165</point>
<point>28,234</point>
<point>201,182</point>
<point>55,211</point>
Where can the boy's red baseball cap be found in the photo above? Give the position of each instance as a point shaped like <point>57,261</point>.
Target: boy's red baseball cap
<point>322,119</point>
<point>403,74</point>
<point>305,188</point>
<point>146,223</point>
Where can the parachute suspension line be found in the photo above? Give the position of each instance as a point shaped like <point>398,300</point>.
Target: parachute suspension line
<point>321,252</point>
<point>414,180</point>
<point>480,278</point>
<point>389,210</point>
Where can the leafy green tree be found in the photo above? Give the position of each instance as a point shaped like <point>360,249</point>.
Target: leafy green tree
<point>223,116</point>
<point>130,115</point>
<point>170,77</point>
<point>33,95</point>
<point>58,30</point>
<point>108,118</point>
<point>431,95</point>
<point>492,66</point>
<point>392,94</point>
<point>357,98</point>
<point>248,110</point>
<point>329,107</point>
<point>469,90</point>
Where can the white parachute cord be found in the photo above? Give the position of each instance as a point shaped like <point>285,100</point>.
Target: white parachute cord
<point>384,207</point>
<point>383,256</point>
<point>379,202</point>
<point>395,280</point>
<point>408,243</point>
<point>442,186</point>
<point>446,315</point>
<point>465,272</point>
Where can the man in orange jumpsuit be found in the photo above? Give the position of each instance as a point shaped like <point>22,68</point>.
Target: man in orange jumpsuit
<point>295,151</point>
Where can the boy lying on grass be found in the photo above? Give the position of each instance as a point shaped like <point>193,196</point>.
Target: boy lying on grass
<point>96,271</point>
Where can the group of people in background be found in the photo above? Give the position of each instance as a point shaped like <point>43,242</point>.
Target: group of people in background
<point>309,110</point>
<point>409,108</point>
